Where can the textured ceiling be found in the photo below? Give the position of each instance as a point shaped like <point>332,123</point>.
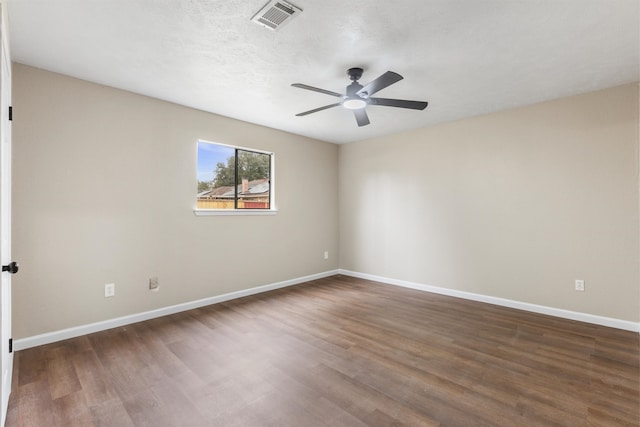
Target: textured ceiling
<point>466,57</point>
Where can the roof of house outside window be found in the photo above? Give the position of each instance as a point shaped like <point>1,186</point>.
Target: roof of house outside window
<point>257,187</point>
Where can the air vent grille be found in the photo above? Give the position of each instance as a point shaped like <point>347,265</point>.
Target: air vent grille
<point>275,14</point>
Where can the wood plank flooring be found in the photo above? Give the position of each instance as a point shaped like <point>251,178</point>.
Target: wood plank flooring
<point>335,352</point>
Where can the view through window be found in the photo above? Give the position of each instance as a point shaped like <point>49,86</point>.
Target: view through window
<point>233,178</point>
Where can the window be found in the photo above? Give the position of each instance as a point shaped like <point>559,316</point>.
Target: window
<point>233,179</point>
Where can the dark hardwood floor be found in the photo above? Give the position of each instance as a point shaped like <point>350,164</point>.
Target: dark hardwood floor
<point>340,352</point>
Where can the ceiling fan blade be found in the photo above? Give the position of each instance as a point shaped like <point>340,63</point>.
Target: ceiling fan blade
<point>315,110</point>
<point>361,117</point>
<point>402,103</point>
<point>316,89</point>
<point>387,79</point>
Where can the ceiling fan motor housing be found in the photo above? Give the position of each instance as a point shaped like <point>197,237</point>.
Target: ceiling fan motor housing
<point>353,88</point>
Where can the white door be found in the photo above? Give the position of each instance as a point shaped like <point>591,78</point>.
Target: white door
<point>6,358</point>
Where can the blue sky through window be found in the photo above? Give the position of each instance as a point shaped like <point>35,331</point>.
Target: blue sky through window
<point>208,156</point>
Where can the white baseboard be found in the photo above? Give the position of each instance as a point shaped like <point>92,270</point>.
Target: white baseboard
<point>50,337</point>
<point>557,312</point>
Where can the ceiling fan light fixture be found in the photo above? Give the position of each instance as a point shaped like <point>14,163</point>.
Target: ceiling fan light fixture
<point>354,103</point>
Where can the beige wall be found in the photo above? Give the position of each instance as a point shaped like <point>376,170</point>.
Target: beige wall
<point>104,187</point>
<point>515,205</point>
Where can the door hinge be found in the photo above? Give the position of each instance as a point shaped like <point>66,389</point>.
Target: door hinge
<point>10,113</point>
<point>10,345</point>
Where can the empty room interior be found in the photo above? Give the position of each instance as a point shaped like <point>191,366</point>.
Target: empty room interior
<point>306,213</point>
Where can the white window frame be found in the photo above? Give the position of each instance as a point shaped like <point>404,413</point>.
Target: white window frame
<point>241,212</point>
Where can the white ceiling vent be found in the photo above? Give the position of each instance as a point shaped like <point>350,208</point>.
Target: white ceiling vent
<point>275,14</point>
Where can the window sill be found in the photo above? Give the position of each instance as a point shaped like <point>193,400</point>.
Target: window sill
<point>230,212</point>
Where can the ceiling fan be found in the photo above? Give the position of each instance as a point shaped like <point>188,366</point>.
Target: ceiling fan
<point>357,97</point>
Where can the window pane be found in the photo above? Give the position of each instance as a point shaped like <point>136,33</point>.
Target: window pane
<point>216,176</point>
<point>253,180</point>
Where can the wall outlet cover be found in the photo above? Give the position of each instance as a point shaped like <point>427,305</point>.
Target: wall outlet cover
<point>109,290</point>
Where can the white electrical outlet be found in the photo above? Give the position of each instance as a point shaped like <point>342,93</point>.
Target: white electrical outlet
<point>154,284</point>
<point>109,289</point>
<point>580,285</point>
<point>326,254</point>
